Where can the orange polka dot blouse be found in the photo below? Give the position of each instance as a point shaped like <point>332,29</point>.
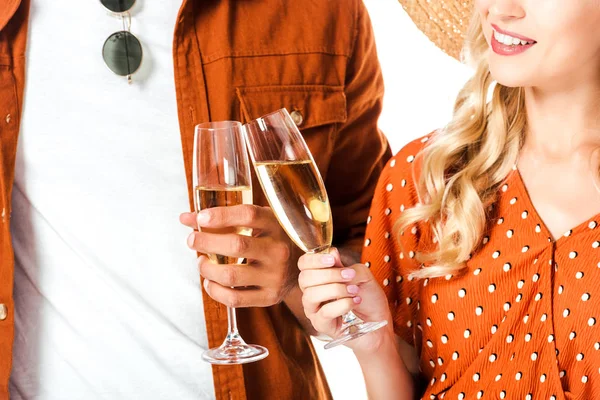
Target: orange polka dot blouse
<point>522,322</point>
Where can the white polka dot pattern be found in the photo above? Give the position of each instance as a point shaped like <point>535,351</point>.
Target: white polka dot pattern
<point>520,323</point>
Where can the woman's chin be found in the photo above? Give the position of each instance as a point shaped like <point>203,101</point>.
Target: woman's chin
<point>510,77</point>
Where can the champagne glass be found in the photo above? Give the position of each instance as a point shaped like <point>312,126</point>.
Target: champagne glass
<point>294,188</point>
<point>221,174</point>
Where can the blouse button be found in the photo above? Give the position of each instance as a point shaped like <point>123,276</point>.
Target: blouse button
<point>3,312</point>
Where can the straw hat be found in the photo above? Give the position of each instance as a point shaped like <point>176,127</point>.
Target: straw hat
<point>445,22</point>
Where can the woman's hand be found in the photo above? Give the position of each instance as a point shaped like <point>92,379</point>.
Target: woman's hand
<point>331,290</point>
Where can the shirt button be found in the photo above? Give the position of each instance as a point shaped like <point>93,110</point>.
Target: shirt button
<point>8,118</point>
<point>297,117</point>
<point>3,312</point>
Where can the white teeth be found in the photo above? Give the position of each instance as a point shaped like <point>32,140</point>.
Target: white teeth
<point>509,40</point>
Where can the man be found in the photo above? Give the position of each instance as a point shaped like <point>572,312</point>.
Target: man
<point>106,302</point>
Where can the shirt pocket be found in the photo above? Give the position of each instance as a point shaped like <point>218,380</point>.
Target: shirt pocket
<point>319,110</point>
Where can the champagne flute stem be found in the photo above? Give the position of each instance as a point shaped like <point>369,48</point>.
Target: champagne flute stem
<point>232,329</point>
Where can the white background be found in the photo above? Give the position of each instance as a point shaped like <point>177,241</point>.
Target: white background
<point>421,83</point>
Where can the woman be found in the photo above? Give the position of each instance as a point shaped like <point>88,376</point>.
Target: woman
<point>483,237</point>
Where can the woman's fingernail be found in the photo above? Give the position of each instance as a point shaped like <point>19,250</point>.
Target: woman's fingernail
<point>348,273</point>
<point>191,239</point>
<point>357,299</point>
<point>328,259</point>
<point>352,289</point>
<point>205,284</point>
<point>202,218</point>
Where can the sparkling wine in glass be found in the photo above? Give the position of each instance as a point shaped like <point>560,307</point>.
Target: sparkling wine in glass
<point>295,191</point>
<point>221,176</point>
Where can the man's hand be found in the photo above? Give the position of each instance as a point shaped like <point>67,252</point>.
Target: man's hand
<point>271,272</point>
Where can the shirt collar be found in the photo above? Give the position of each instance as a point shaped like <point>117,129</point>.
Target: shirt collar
<point>7,10</point>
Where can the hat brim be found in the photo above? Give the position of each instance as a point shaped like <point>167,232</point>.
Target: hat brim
<point>444,22</point>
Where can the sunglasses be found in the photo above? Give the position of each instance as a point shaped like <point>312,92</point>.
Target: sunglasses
<point>122,51</point>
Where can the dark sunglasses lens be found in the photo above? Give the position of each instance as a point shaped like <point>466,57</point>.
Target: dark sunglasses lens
<point>118,6</point>
<point>122,53</point>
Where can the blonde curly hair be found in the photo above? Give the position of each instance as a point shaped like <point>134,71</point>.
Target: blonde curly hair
<point>465,163</point>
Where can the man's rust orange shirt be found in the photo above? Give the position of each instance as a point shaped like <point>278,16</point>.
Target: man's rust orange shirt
<point>240,60</point>
<point>522,321</point>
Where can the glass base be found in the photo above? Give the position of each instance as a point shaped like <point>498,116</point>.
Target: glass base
<point>355,331</point>
<point>235,351</point>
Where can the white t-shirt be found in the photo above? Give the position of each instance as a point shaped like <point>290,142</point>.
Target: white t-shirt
<point>108,300</point>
